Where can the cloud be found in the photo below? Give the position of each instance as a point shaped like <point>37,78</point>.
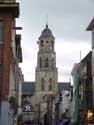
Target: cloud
<point>67,53</point>
<point>68,21</point>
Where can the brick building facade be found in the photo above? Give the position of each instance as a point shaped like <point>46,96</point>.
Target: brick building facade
<point>10,55</point>
<point>7,23</point>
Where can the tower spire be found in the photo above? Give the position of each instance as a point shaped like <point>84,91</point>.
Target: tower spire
<point>46,20</point>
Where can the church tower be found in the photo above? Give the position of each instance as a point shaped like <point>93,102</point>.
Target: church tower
<point>46,71</point>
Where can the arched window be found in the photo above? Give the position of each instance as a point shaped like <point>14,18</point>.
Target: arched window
<point>46,63</point>
<point>50,84</point>
<point>50,80</point>
<point>42,84</point>
<point>50,87</point>
<point>40,62</point>
<point>41,43</point>
<point>52,63</point>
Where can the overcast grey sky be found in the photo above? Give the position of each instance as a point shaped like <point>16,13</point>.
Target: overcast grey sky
<point>68,20</point>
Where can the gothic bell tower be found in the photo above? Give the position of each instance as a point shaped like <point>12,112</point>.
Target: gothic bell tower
<point>46,71</point>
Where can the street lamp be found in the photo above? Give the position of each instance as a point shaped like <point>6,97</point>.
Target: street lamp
<point>89,115</point>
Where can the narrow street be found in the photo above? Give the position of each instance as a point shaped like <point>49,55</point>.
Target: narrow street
<point>46,63</point>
